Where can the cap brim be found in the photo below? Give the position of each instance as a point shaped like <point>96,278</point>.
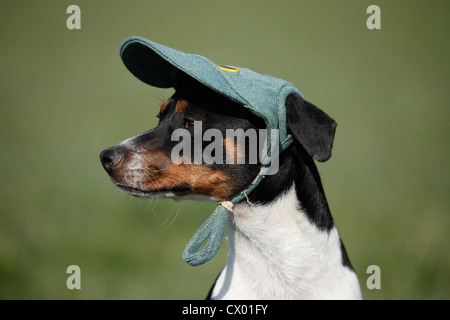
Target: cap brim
<point>160,66</point>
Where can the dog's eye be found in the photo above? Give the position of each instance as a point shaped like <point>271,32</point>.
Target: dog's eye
<point>188,123</point>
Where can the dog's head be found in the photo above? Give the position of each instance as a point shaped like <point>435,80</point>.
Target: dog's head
<point>144,165</point>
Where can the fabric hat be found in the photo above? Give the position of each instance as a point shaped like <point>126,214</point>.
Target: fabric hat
<point>160,66</point>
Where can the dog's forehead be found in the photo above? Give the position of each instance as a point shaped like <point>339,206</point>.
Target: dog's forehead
<point>197,97</point>
<point>202,104</point>
<point>164,106</point>
<point>181,106</point>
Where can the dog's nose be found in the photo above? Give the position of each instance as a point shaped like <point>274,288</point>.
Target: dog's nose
<point>111,158</point>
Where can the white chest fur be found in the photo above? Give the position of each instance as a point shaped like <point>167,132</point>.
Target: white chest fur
<point>275,252</point>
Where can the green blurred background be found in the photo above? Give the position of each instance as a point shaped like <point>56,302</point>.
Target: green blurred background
<point>65,96</point>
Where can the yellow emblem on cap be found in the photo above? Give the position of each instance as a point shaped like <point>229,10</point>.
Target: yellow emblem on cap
<point>229,68</point>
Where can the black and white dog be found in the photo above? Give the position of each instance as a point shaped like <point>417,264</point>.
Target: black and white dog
<point>282,240</point>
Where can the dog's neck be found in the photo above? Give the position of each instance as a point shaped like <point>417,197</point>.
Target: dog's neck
<point>287,248</point>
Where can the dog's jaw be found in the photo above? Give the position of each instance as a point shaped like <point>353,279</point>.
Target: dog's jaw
<point>144,194</point>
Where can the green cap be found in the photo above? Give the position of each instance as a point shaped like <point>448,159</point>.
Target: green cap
<point>160,66</point>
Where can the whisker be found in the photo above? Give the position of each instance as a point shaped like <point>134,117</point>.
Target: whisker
<point>154,205</point>
<point>159,97</point>
<point>176,215</point>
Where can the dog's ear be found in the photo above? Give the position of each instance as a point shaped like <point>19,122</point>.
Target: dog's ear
<point>311,127</point>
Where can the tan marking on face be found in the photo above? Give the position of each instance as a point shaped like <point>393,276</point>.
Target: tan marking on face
<point>181,106</point>
<point>233,151</point>
<point>163,107</point>
<point>203,180</point>
<point>153,171</point>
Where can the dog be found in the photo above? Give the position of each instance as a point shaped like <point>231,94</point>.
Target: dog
<point>283,243</point>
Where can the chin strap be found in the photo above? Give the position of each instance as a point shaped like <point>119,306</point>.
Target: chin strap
<point>214,227</point>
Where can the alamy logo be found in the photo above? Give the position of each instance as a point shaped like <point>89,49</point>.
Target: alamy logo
<point>74,20</point>
<point>374,21</point>
<point>234,145</point>
<point>74,280</point>
<point>374,280</point>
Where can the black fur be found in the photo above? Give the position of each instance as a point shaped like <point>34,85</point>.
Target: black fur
<point>296,164</point>
<point>311,127</point>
